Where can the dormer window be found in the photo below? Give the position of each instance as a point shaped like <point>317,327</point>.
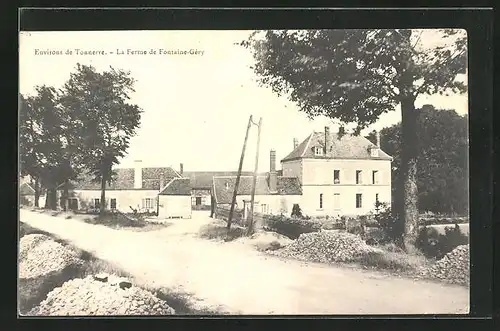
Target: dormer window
<point>318,151</point>
<point>374,152</point>
<point>227,186</point>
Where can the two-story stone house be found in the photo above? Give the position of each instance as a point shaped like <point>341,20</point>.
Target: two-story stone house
<point>339,174</point>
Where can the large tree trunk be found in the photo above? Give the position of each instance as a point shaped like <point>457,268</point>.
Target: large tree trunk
<point>103,196</point>
<point>408,181</point>
<point>37,192</point>
<point>51,200</point>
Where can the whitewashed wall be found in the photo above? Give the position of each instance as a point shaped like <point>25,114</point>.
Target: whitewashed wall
<point>124,198</point>
<point>317,177</point>
<point>275,204</point>
<point>174,206</point>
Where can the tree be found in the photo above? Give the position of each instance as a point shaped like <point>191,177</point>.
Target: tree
<point>28,138</point>
<point>354,76</point>
<point>42,150</point>
<point>442,172</point>
<point>109,121</point>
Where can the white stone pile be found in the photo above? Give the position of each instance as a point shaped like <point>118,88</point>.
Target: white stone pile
<point>101,296</point>
<point>326,246</point>
<point>39,255</point>
<point>454,267</point>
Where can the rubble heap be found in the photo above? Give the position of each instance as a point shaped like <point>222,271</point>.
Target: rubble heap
<point>101,295</point>
<point>326,246</point>
<point>454,267</point>
<point>43,264</point>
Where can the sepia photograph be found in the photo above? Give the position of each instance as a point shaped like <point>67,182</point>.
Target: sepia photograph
<point>243,172</point>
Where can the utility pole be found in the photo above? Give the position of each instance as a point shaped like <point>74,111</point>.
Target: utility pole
<point>251,223</point>
<point>233,202</point>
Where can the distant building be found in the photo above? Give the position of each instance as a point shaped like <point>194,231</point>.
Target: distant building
<point>274,194</point>
<point>339,174</point>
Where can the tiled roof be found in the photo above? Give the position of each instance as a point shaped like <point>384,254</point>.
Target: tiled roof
<point>224,187</point>
<point>124,179</point>
<point>177,186</point>
<point>203,179</point>
<point>347,147</point>
<point>26,189</point>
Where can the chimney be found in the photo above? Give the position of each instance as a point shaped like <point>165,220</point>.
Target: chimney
<point>181,169</point>
<point>295,143</point>
<point>162,180</point>
<point>377,137</point>
<point>273,175</point>
<point>328,140</point>
<point>138,174</point>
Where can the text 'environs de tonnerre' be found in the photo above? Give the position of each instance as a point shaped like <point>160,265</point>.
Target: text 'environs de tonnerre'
<point>119,51</point>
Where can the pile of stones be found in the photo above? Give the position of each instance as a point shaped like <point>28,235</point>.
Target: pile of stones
<point>100,295</point>
<point>454,267</point>
<point>326,246</point>
<point>43,264</point>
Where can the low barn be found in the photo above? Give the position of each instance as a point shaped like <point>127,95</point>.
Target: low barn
<point>174,201</point>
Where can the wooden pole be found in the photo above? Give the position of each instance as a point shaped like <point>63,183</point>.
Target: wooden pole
<point>251,223</point>
<point>235,192</point>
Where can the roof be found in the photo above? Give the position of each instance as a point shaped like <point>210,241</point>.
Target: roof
<point>347,147</point>
<point>203,179</point>
<point>177,186</point>
<point>224,187</point>
<point>124,179</point>
<point>26,189</point>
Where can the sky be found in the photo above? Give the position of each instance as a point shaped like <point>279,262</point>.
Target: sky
<point>196,105</point>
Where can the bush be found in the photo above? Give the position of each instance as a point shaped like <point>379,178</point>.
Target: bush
<point>435,245</point>
<point>296,211</point>
<point>291,227</point>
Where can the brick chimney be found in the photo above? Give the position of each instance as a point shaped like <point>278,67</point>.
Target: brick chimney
<point>328,140</point>
<point>137,174</point>
<point>295,143</point>
<point>273,175</point>
<point>181,169</point>
<point>377,137</point>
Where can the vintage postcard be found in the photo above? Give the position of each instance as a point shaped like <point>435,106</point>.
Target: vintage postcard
<point>243,172</point>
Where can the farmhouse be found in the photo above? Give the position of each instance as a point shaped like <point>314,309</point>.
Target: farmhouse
<point>339,174</point>
<point>151,190</point>
<point>274,194</point>
<point>202,183</point>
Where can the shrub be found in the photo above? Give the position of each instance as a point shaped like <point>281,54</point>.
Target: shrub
<point>435,245</point>
<point>386,221</point>
<point>296,211</point>
<point>291,227</point>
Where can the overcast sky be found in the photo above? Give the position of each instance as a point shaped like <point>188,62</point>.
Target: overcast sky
<point>196,107</point>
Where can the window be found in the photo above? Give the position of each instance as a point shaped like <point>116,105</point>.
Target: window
<point>321,201</point>
<point>227,186</point>
<point>336,176</point>
<point>113,203</point>
<point>198,201</point>
<point>148,203</point>
<point>336,201</point>
<point>97,203</point>
<point>359,178</point>
<point>264,209</point>
<point>358,200</point>
<point>374,177</point>
<point>318,150</point>
<point>374,152</point>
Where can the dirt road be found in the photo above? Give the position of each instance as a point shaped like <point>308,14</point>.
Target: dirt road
<point>244,281</point>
